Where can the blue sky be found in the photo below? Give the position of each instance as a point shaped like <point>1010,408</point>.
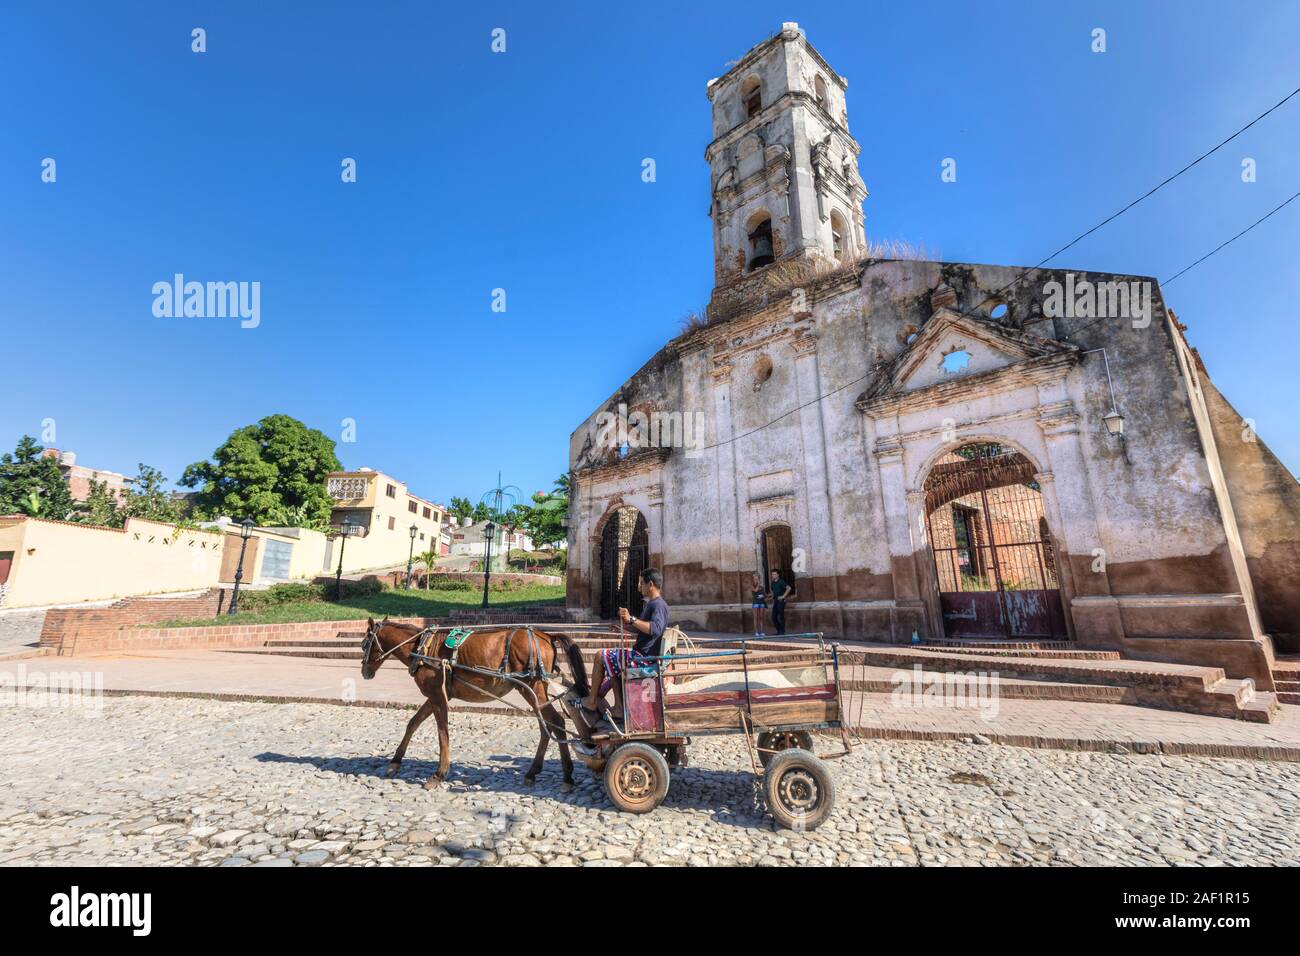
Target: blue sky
<point>522,171</point>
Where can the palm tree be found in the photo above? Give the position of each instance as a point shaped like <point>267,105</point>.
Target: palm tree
<point>562,485</point>
<point>428,557</point>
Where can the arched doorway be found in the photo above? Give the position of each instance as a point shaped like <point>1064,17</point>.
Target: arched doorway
<point>624,554</point>
<point>777,550</point>
<point>993,554</point>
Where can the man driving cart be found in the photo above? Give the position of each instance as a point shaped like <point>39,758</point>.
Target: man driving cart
<point>613,662</point>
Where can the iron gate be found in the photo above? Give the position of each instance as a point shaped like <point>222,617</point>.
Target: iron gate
<point>624,554</point>
<point>993,554</point>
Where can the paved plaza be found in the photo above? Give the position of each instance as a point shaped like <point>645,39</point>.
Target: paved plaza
<point>151,780</point>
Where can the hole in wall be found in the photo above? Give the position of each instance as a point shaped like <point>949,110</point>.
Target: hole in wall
<point>956,361</point>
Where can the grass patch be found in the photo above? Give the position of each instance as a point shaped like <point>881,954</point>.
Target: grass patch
<point>436,602</point>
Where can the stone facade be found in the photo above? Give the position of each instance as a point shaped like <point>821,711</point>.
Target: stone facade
<point>829,386</point>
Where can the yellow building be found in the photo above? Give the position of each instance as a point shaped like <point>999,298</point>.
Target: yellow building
<point>46,562</point>
<point>384,512</point>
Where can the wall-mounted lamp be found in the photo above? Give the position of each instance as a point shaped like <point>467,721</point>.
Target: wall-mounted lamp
<point>1113,420</point>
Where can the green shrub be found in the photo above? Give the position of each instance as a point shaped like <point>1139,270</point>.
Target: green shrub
<point>453,585</point>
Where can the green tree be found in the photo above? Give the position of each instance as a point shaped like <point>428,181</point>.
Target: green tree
<point>481,512</point>
<point>262,469</point>
<point>296,516</point>
<point>147,497</point>
<point>100,506</point>
<point>32,484</point>
<point>544,521</point>
<point>460,508</point>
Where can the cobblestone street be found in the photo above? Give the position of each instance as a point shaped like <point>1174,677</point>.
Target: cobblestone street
<point>153,780</point>
<point>20,629</point>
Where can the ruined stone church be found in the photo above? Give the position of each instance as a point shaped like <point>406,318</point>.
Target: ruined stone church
<point>930,451</point>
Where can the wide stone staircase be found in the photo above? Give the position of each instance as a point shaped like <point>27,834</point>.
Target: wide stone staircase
<point>1043,671</point>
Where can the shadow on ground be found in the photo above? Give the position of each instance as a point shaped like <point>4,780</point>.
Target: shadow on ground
<point>728,796</point>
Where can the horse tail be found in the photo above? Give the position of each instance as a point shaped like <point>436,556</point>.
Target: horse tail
<point>576,662</point>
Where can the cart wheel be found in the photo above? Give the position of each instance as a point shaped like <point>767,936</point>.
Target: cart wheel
<point>782,740</point>
<point>636,778</point>
<point>800,791</point>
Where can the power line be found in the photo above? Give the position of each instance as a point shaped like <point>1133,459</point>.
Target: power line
<point>1150,192</point>
<point>1275,209</point>
<point>1165,282</point>
<point>1111,218</point>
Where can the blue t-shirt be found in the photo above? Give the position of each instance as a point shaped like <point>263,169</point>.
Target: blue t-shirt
<point>656,612</point>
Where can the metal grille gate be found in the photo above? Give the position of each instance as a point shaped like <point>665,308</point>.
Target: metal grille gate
<point>993,554</point>
<point>624,554</point>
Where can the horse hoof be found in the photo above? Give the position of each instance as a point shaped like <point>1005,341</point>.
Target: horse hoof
<point>529,781</point>
<point>393,768</point>
<point>432,783</point>
<point>566,787</point>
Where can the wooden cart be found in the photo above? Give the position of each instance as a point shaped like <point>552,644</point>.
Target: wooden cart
<point>774,697</point>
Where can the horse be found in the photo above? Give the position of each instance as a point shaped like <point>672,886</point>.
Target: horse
<point>443,680</point>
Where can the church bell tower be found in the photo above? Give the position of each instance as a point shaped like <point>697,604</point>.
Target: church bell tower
<point>783,166</point>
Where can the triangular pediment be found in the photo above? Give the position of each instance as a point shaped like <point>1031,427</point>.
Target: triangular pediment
<point>952,347</point>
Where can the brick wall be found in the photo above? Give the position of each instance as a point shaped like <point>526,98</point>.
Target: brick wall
<point>117,627</point>
<point>65,628</point>
<point>220,636</point>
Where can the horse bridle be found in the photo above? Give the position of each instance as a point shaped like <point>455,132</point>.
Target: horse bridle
<point>372,638</point>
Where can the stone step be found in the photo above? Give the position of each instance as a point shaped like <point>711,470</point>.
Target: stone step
<point>1288,697</point>
<point>1200,690</point>
<point>1000,644</point>
<point>1105,679</point>
<point>1064,652</point>
<point>1005,689</point>
<point>349,652</point>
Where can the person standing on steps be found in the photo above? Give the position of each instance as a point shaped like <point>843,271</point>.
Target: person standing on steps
<point>758,603</point>
<point>781,592</point>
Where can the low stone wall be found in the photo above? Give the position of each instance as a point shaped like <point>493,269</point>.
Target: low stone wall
<point>66,627</point>
<point>100,641</point>
<point>117,628</point>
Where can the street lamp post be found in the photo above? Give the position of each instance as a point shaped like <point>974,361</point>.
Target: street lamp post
<point>499,503</point>
<point>245,531</point>
<point>344,530</point>
<point>489,530</point>
<point>410,557</point>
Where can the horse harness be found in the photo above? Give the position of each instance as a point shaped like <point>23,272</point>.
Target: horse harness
<point>425,655</point>
<point>428,641</point>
